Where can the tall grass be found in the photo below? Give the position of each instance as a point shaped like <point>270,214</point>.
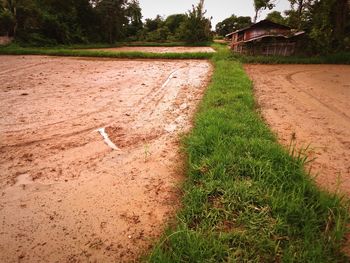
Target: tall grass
<point>246,199</point>
<point>337,58</point>
<point>117,44</point>
<point>164,44</point>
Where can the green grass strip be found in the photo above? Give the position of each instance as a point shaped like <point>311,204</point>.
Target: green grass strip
<point>15,50</point>
<point>338,58</point>
<point>164,44</point>
<point>246,199</point>
<point>117,44</point>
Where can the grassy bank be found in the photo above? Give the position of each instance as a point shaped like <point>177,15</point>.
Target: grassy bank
<point>164,44</point>
<point>246,199</point>
<point>338,58</point>
<point>117,44</point>
<point>16,50</point>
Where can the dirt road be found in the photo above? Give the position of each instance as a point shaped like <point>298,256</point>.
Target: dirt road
<point>66,195</point>
<point>160,49</point>
<point>311,105</point>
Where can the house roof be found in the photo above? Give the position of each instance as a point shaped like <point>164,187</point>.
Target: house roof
<point>275,36</point>
<point>262,23</point>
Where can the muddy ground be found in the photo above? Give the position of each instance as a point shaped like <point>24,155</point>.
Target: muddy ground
<point>67,196</point>
<point>160,49</point>
<point>310,105</point>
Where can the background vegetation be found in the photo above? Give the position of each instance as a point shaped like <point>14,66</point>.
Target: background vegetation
<point>326,22</point>
<point>52,22</point>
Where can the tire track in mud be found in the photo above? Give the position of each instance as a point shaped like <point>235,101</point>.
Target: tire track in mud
<point>153,97</point>
<point>156,100</point>
<point>153,94</point>
<point>54,137</point>
<point>296,84</point>
<point>148,107</point>
<point>18,69</point>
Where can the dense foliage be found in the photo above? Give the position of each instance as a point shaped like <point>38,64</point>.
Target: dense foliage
<point>66,21</point>
<point>46,22</point>
<point>192,27</point>
<point>326,22</point>
<point>277,17</point>
<point>51,22</point>
<point>231,24</point>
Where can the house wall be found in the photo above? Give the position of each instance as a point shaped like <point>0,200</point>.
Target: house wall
<point>273,47</point>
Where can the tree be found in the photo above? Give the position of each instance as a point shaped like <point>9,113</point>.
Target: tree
<point>154,29</point>
<point>7,22</point>
<point>327,23</point>
<point>8,16</point>
<point>45,22</point>
<point>341,20</point>
<point>112,18</point>
<point>173,22</point>
<point>154,24</point>
<point>261,5</point>
<point>330,25</point>
<point>276,17</point>
<point>134,16</point>
<point>299,15</point>
<point>196,27</point>
<point>232,24</point>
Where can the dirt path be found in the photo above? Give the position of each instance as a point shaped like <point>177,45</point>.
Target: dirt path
<point>310,103</point>
<point>66,196</point>
<point>160,49</point>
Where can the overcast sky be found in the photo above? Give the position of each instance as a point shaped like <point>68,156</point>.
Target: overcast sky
<point>218,9</point>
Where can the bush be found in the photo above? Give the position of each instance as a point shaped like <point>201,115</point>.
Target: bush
<point>7,22</point>
<point>196,28</point>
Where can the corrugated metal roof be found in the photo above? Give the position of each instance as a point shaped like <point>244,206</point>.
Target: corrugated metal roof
<point>279,35</point>
<point>266,21</point>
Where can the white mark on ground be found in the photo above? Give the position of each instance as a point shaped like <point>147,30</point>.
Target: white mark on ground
<point>106,139</point>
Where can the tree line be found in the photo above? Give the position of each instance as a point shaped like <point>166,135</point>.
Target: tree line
<point>326,22</point>
<point>50,22</point>
<point>45,22</point>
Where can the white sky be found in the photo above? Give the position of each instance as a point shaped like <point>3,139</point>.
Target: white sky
<point>218,9</point>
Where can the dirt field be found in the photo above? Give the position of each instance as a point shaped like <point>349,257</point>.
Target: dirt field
<point>66,195</point>
<point>311,104</point>
<point>160,49</point>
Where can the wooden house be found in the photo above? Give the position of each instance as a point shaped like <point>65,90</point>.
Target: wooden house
<point>265,38</point>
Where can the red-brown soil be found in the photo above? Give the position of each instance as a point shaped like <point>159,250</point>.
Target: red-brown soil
<point>66,196</point>
<point>160,49</point>
<point>311,105</point>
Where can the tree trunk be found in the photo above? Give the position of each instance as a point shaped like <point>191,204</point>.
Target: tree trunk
<point>256,15</point>
<point>300,12</point>
<point>16,23</point>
